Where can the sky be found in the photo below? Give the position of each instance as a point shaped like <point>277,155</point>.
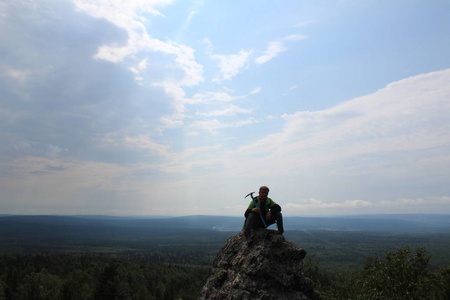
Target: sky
<point>170,107</point>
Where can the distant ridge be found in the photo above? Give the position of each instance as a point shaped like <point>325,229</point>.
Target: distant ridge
<point>384,222</point>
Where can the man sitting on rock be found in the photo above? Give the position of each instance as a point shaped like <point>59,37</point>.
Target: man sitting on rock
<point>265,208</point>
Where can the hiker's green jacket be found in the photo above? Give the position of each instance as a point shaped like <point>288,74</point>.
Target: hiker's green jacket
<point>269,205</point>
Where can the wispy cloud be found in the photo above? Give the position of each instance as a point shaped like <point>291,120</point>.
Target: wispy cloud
<point>214,125</point>
<point>145,142</point>
<point>305,23</point>
<point>182,118</point>
<point>399,206</point>
<point>111,106</point>
<point>126,15</point>
<point>231,110</point>
<point>274,48</point>
<point>191,15</point>
<point>256,90</point>
<point>231,64</point>
<point>209,97</point>
<point>317,205</point>
<point>389,136</point>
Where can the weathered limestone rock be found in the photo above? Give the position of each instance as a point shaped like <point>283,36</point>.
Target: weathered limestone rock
<point>267,268</point>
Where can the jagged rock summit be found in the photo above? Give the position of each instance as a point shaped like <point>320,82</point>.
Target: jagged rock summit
<point>267,267</point>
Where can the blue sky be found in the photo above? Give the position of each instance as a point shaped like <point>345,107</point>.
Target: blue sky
<point>184,107</point>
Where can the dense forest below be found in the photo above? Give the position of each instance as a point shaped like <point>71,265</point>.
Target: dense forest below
<point>87,276</point>
<point>55,257</point>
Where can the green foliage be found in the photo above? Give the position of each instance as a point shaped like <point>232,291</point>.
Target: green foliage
<point>169,242</point>
<point>78,286</point>
<point>39,286</point>
<point>311,268</point>
<point>348,250</point>
<point>2,290</point>
<point>402,274</point>
<point>159,264</point>
<point>444,294</point>
<point>76,277</point>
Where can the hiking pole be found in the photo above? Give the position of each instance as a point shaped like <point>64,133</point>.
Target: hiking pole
<point>256,205</point>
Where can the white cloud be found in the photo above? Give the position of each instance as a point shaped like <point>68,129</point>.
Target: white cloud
<point>230,65</point>
<point>178,96</point>
<point>209,46</point>
<point>137,70</point>
<point>147,143</point>
<point>172,121</point>
<point>256,91</point>
<point>48,181</point>
<point>126,15</point>
<point>274,48</point>
<point>315,204</point>
<point>17,74</point>
<point>401,116</point>
<point>231,110</point>
<point>211,97</point>
<point>191,15</point>
<point>388,145</point>
<point>214,125</point>
<point>177,119</point>
<point>80,129</point>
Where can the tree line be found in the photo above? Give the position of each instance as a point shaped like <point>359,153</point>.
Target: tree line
<point>76,277</point>
<point>403,274</point>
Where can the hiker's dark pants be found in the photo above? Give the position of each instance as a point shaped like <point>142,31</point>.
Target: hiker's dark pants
<point>254,221</point>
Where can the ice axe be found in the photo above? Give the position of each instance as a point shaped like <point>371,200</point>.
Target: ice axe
<point>256,205</point>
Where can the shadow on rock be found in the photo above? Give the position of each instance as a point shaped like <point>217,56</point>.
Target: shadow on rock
<point>264,267</point>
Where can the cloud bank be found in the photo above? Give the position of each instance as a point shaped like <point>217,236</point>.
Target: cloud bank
<point>112,107</point>
<point>393,143</point>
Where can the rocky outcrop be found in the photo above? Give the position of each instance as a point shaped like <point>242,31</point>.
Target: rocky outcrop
<point>267,267</point>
